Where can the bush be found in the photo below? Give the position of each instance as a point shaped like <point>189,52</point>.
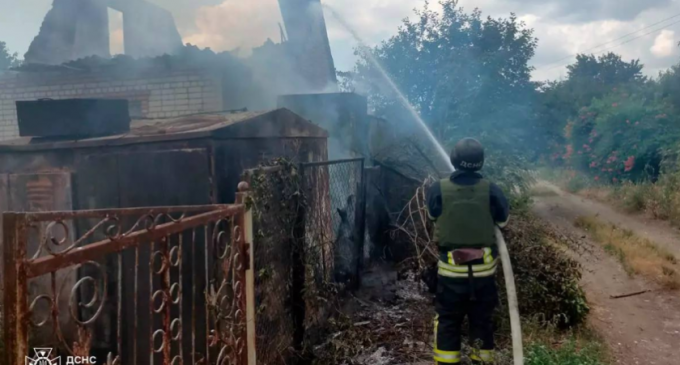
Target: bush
<point>632,197</point>
<point>547,279</point>
<point>661,199</point>
<point>621,137</point>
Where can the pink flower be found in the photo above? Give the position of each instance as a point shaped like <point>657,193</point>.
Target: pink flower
<point>629,163</point>
<point>615,180</point>
<point>597,178</point>
<point>637,123</point>
<point>628,122</point>
<point>570,151</point>
<point>614,105</point>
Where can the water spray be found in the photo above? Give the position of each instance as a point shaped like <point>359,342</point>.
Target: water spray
<point>516,328</point>
<point>400,96</point>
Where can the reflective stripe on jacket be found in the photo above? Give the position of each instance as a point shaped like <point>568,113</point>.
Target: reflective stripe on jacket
<point>479,270</point>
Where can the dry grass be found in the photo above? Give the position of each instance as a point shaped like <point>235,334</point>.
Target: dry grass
<point>542,191</point>
<point>637,255</point>
<point>597,193</point>
<point>659,199</point>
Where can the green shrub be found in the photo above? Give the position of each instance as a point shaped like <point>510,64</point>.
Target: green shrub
<point>547,279</point>
<point>621,136</point>
<point>632,197</point>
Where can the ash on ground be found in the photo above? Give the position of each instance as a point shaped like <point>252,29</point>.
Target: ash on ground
<point>389,321</point>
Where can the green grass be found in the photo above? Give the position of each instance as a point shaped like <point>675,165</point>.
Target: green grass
<point>569,353</point>
<point>546,344</point>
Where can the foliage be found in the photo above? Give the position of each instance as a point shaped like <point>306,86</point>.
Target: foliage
<point>7,59</point>
<point>549,278</point>
<point>511,173</point>
<point>466,75</point>
<point>275,200</point>
<point>621,136</point>
<point>565,354</point>
<point>588,78</point>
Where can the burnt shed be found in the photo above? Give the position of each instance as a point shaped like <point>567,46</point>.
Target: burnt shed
<point>191,160</point>
<point>187,160</point>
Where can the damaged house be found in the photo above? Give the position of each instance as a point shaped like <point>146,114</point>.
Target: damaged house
<point>161,78</point>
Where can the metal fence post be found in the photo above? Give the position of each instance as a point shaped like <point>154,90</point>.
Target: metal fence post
<point>16,302</point>
<point>299,245</point>
<point>246,223</point>
<point>362,223</point>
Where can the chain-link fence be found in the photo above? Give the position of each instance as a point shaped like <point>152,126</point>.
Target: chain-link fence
<point>333,230</point>
<point>309,233</point>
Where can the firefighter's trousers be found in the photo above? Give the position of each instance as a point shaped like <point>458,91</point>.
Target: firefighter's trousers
<point>454,302</point>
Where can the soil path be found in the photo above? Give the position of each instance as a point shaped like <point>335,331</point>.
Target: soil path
<point>660,232</point>
<point>643,329</point>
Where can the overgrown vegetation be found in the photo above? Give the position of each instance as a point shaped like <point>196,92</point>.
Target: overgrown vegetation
<point>400,331</point>
<point>659,199</point>
<point>637,255</point>
<point>467,76</point>
<point>549,278</point>
<point>616,134</point>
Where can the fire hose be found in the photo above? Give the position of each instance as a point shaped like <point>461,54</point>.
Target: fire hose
<point>515,325</point>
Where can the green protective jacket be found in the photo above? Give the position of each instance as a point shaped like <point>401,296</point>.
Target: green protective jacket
<point>466,220</point>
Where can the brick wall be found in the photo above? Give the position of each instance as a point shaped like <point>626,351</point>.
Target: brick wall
<point>160,94</point>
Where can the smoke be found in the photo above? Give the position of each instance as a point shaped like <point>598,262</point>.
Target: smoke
<point>117,45</point>
<point>241,25</point>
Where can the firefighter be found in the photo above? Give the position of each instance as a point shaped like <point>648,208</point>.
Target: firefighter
<point>466,208</point>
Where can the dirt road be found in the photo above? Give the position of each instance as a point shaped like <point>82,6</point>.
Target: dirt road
<point>643,329</point>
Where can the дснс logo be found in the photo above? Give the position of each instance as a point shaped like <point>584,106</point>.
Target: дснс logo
<point>42,357</point>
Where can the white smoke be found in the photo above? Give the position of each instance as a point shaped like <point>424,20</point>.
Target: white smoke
<point>236,24</point>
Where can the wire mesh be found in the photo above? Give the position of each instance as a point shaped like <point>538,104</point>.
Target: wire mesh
<point>334,230</point>
<point>308,225</point>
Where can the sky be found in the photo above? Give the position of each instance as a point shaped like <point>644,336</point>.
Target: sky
<point>563,27</point>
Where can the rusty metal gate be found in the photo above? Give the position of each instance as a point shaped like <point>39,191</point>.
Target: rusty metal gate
<point>157,285</point>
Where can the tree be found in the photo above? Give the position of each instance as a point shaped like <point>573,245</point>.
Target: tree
<point>589,78</point>
<point>593,77</point>
<point>466,76</point>
<point>7,59</point>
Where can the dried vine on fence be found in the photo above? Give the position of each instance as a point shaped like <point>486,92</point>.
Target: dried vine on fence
<point>414,224</point>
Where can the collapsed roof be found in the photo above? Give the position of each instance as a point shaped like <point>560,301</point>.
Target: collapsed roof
<point>74,29</point>
<point>279,123</point>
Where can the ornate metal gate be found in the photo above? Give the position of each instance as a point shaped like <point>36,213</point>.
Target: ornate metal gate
<point>157,285</point>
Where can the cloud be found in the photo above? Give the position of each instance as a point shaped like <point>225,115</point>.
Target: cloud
<point>664,44</point>
<point>185,11</point>
<point>236,24</point>
<point>563,27</point>
<point>591,10</point>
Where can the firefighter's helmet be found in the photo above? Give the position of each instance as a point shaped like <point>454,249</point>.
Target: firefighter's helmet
<point>468,155</point>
